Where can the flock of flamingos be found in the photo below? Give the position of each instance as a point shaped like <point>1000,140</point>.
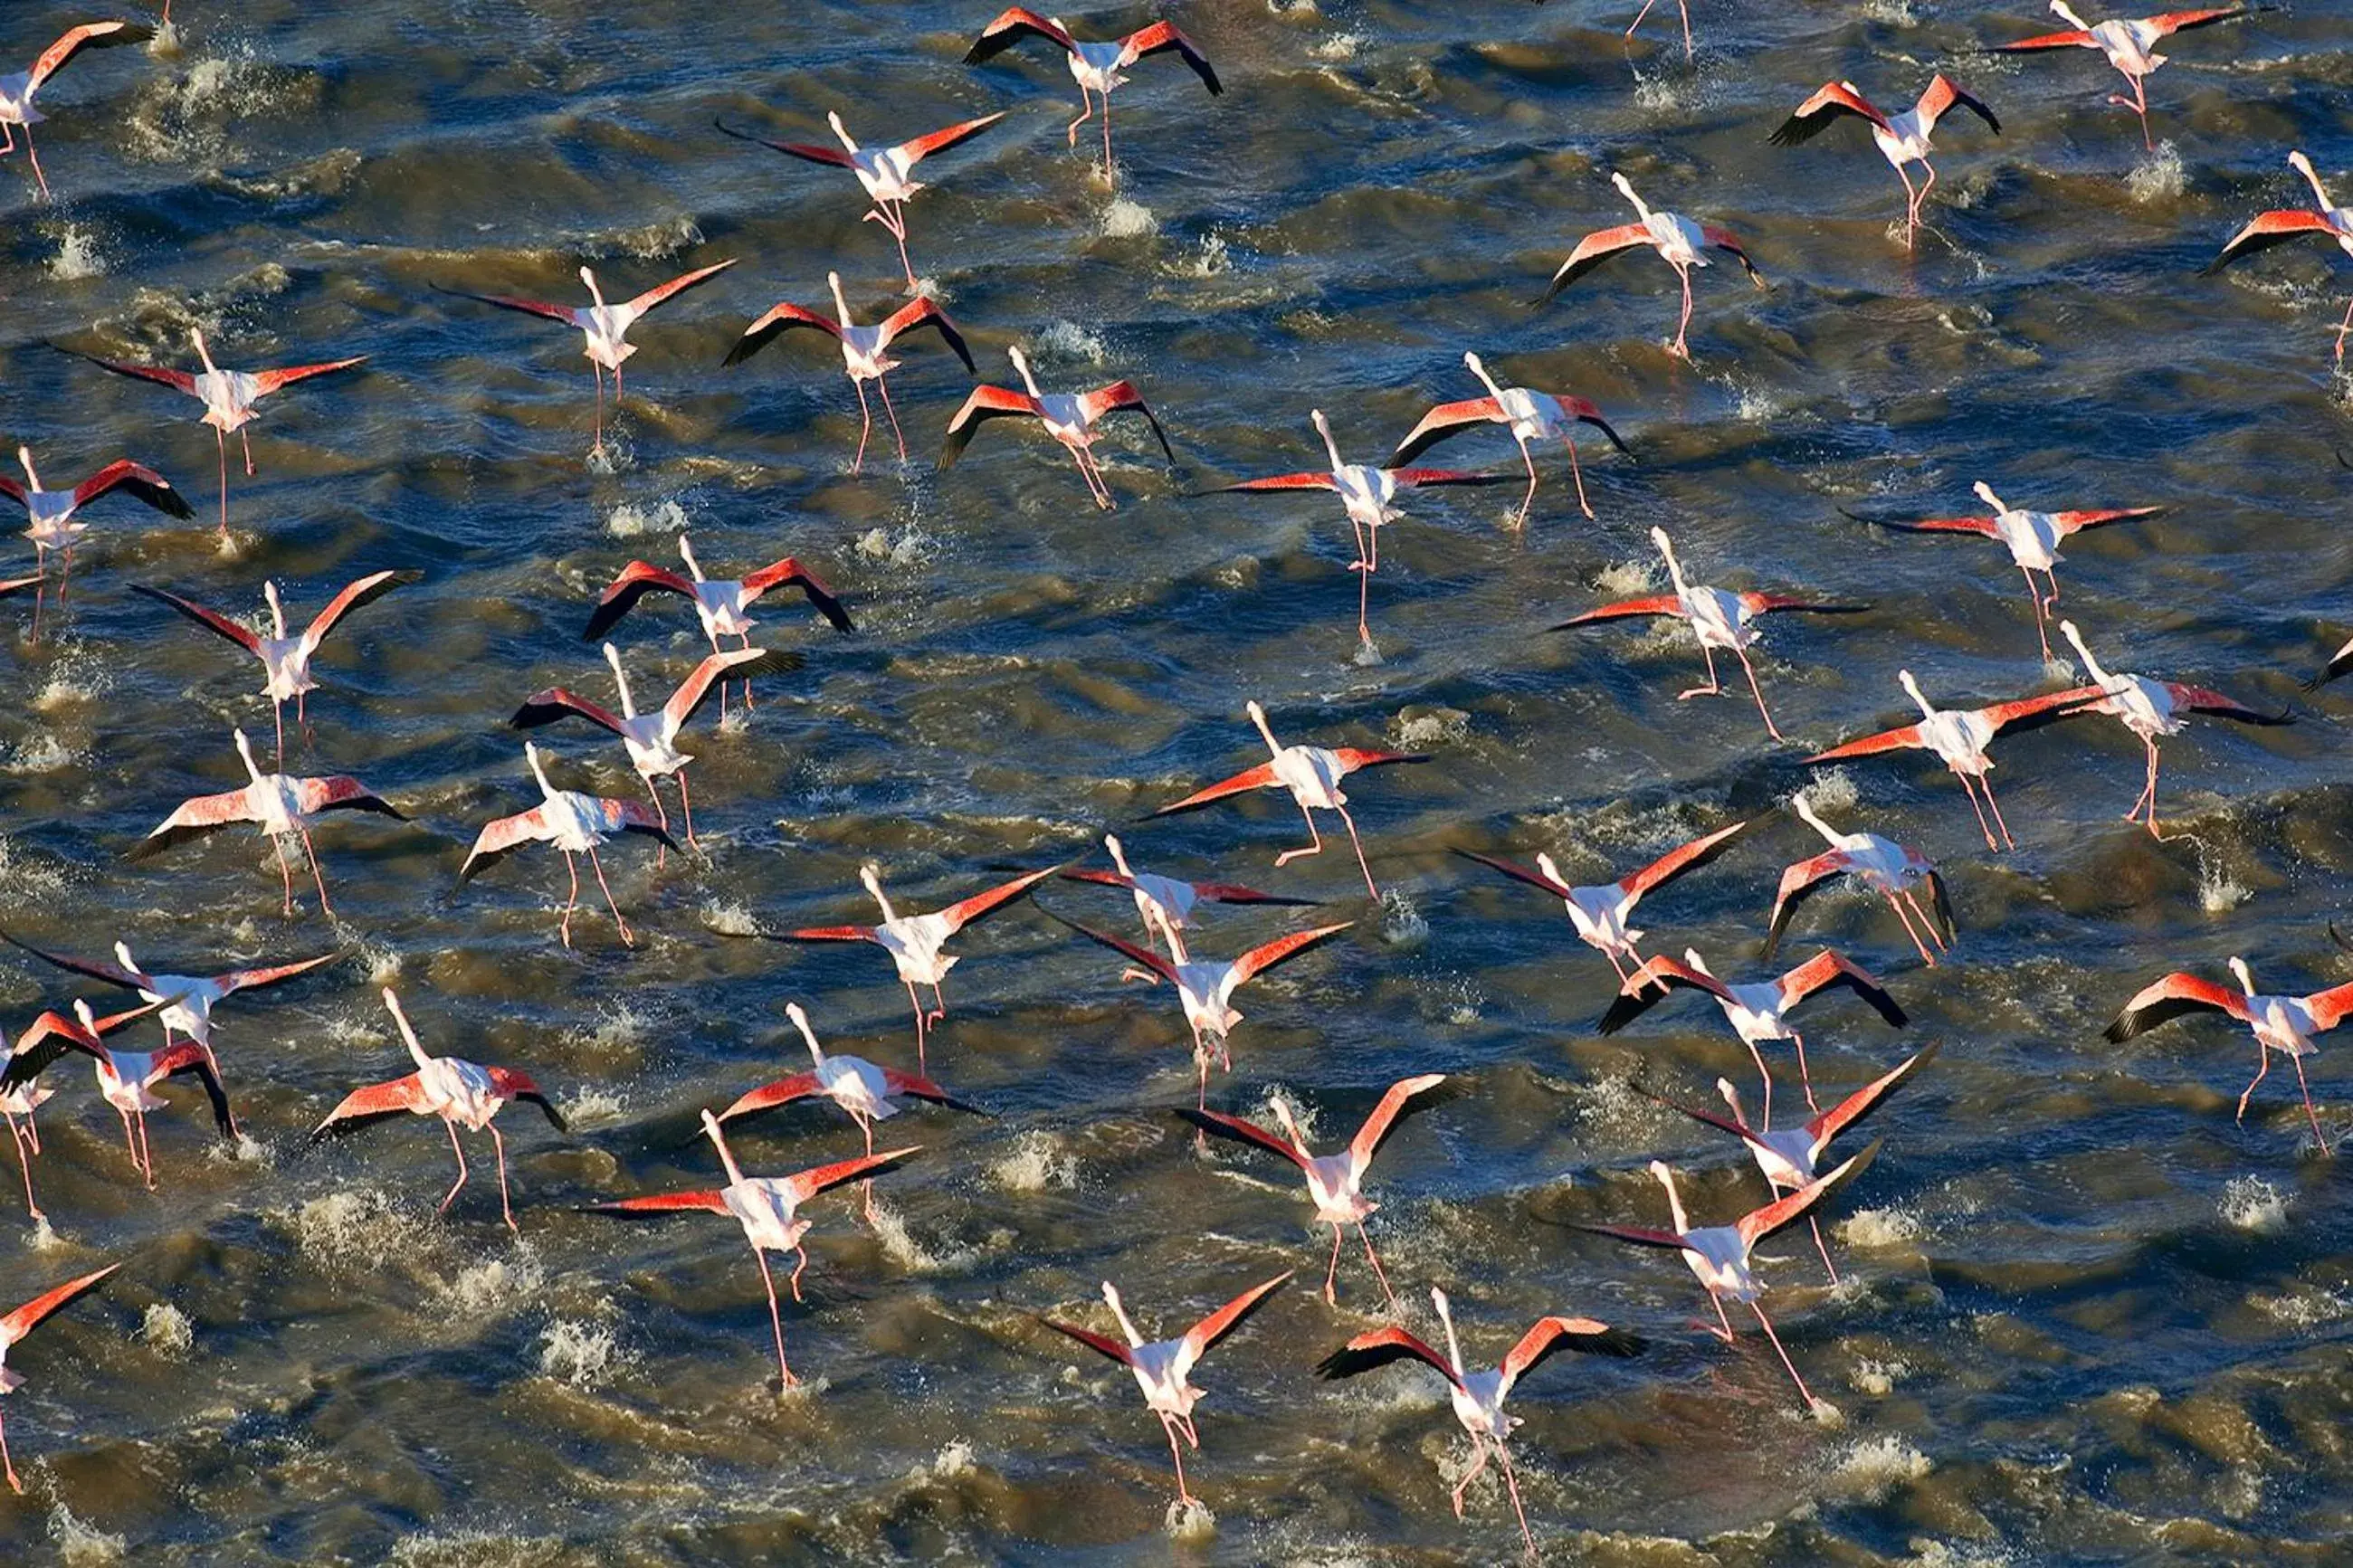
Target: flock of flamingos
<point>1793,1156</point>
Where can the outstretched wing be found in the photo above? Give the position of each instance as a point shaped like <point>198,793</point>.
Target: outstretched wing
<point>163,375</point>
<point>550,703</point>
<point>1588,1335</point>
<point>1307,479</point>
<point>1234,1127</point>
<point>2072,38</point>
<point>1827,1126</point>
<point>638,579</point>
<point>2170,998</point>
<point>776,319</point>
<point>503,837</point>
<point>1758,1224</point>
<point>253,979</point>
<point>961,914</point>
<point>711,1200</point>
<point>661,293</point>
<point>1649,987</point>
<point>922,147</point>
<point>1827,970</point>
<point>188,1057</point>
<point>790,573</point>
<point>518,1086</point>
<point>1379,1347</point>
<point>201,814</point>
<point>1944,95</point>
<point>569,315</point>
<point>365,590</point>
<point>1517,872</point>
<point>1447,419</point>
<point>144,483</point>
<point>925,314</point>
<point>1377,1127</point>
<point>27,1318</point>
<point>378,1100</point>
<point>1593,250</point>
<point>1684,857</point>
<point>741,663</point>
<point>107,973</point>
<point>1009,26</point>
<point>913,1086</point>
<point>2269,229</point>
<point>768,1095</point>
<point>1885,740</point>
<point>985,403</point>
<point>2339,663</point>
<point>1770,603</point>
<point>2032,712</point>
<point>1817,114</point>
<point>1626,609</point>
<point>89,35</point>
<point>833,155</point>
<point>1259,777</point>
<point>342,792</point>
<point>1204,1335</point>
<point>806,1184</point>
<point>2068,522</point>
<point>1145,957</point>
<point>2173,22</point>
<point>2205,700</point>
<point>211,620</point>
<point>1266,955</point>
<point>268,381</point>
<point>48,1038</point>
<point>1161,36</point>
<point>1424,478</point>
<point>1101,1344</point>
<point>1797,882</point>
<point>1121,397</point>
<point>1982,526</point>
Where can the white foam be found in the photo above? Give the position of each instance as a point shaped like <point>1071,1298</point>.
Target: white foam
<point>1880,1227</point>
<point>1066,340</point>
<point>494,1284</point>
<point>2160,176</point>
<point>1189,1520</point>
<point>81,1544</point>
<point>1125,220</point>
<point>631,521</point>
<point>2251,1202</point>
<point>581,1353</point>
<point>77,255</point>
<point>1871,1469</point>
<point>1035,1163</point>
<point>166,1330</point>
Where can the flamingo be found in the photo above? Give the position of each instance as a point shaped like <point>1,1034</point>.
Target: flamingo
<point>17,90</point>
<point>719,603</point>
<point>574,823</point>
<point>2282,1023</point>
<point>604,327</point>
<point>22,1322</point>
<point>1683,7</point>
<point>1095,67</point>
<point>1069,418</point>
<point>1365,493</point>
<point>1792,1157</point>
<point>1312,775</point>
<point>915,942</point>
<point>2153,708</point>
<point>1888,869</point>
<point>228,396</point>
<point>1718,619</point>
<point>2129,45</point>
<point>1960,736</point>
<point>651,739</point>
<point>1719,1255</point>
<point>1678,241</point>
<point>1900,138</point>
<point>768,1208</point>
<point>461,1093</point>
<point>1529,417</point>
<point>1205,989</point>
<point>2339,663</point>
<point>1335,1182</point>
<point>286,661</point>
<point>1478,1397</point>
<point>865,351</point>
<point>1164,1368</point>
<point>51,523</point>
<point>26,1136</point>
<point>2033,538</point>
<point>22,1095</point>
<point>1166,904</point>
<point>1757,1011</point>
<point>2278,227</point>
<point>1602,916</point>
<point>886,172</point>
<point>279,805</point>
<point>126,1079</point>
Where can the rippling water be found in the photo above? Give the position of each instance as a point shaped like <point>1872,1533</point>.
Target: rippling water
<point>2089,1317</point>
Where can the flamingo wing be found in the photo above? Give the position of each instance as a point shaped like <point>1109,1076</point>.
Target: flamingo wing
<point>1099,1344</point>
<point>1447,419</point>
<point>266,382</point>
<point>1697,1113</point>
<point>571,316</point>
<point>1311,480</point>
<point>1121,397</point>
<point>1593,250</point>
<point>743,662</point>
<point>1826,1127</point>
<point>1828,969</point>
<point>777,319</point>
<point>1162,35</point>
<point>806,1184</point>
<point>360,591</point>
<point>1009,26</point>
<point>1649,987</point>
<point>363,1106</point>
<point>201,814</point>
<point>2329,1008</point>
<point>1356,758</point>
<point>1384,1117</point>
<point>1517,872</point>
<point>2269,229</point>
<point>662,293</point>
<point>940,140</point>
<point>1981,526</point>
<point>1723,239</point>
<point>137,481</point>
<point>550,703</point>
<point>1758,1224</point>
<point>2205,700</point>
<point>211,620</point>
<point>1626,609</point>
<point>1203,1336</point>
<point>925,314</point>
<point>710,1200</point>
<point>630,816</point>
<point>89,35</point>
<point>2339,663</point>
<point>107,973</point>
<point>1267,954</point>
<point>2033,712</point>
<point>1684,857</point>
<point>28,1317</point>
<point>512,1085</point>
<point>2069,522</point>
<point>1379,1348</point>
<point>1639,1235</point>
<point>985,403</point>
<point>2172,22</point>
<point>1243,1131</point>
<point>48,1038</point>
<point>913,1086</point>
<point>1797,882</point>
<point>18,584</point>
<point>188,1057</point>
<point>790,573</point>
<point>1893,739</point>
<point>1259,777</point>
<point>963,912</point>
<point>1548,1335</point>
<point>163,375</point>
<point>833,155</point>
<point>503,837</point>
<point>768,1095</point>
<point>1943,96</point>
<point>1234,893</point>
<point>2170,998</point>
<point>637,579</point>
<point>825,934</point>
<point>1420,478</point>
<point>1817,114</point>
<point>1771,604</point>
<point>341,792</point>
<point>253,979</point>
<point>2072,38</point>
<point>1145,957</point>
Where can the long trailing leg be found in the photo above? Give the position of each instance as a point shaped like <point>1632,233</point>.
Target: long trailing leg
<point>1765,1120</point>
<point>570,900</point>
<point>146,1152</point>
<point>884,387</point>
<point>1934,934</point>
<point>278,718</point>
<point>35,157</point>
<point>1995,807</point>
<point>2344,327</point>
<point>865,426</point>
<point>24,1165</point>
<point>1110,176</point>
<point>1805,1078</point>
<point>2319,1136</point>
<point>1512,1485</point>
<point>597,864</point>
<point>597,373</point>
<point>1332,1270</point>
<point>505,1207</point>
<point>1314,847</point>
<point>1757,691</point>
<point>245,437</point>
<point>785,1378</point>
<point>1723,1333</point>
<point>1920,202</point>
<point>310,853</point>
<point>1822,1249</point>
<point>1683,327</point>
<point>1896,901</point>
<point>130,1141</point>
<point>2262,1065</point>
<point>1805,1392</point>
<point>285,873</point>
<point>1714,685</point>
<point>1577,472</point>
<point>2149,791</point>
<point>1970,789</point>
<point>2041,631</point>
<point>1477,1463</point>
<point>1375,1260</point>
<point>922,1030</point>
<point>8,1464</point>
<point>1350,823</point>
<point>800,1266</point>
<point>460,1150</point>
<point>686,806</point>
<point>1520,518</point>
<point>1086,112</point>
<point>220,441</point>
<point>1177,1454</point>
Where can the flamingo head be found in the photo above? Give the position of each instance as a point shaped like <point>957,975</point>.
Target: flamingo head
<point>1804,807</point>
<point>840,305</point>
<point>2246,980</point>
<point>533,755</point>
<point>1626,189</point>
<point>1445,1312</point>
<point>841,134</point>
<point>89,1019</point>
<point>1911,690</point>
<point>686,553</point>
<point>1266,731</point>
<point>400,1020</point>
<point>1984,492</point>
<point>871,879</point>
<point>1021,365</point>
<point>1666,1178</point>
<point>25,460</point>
<point>1119,1310</point>
<point>1549,867</point>
<point>1290,1126</point>
<point>800,1016</point>
<point>277,610</point>
<point>1732,1099</point>
<point>2067,629</point>
<point>204,355</point>
<point>1118,854</point>
<point>2300,163</point>
<point>1323,428</point>
<point>589,277</point>
<point>2061,9</point>
<point>1665,546</point>
<point>719,1141</point>
<point>122,956</point>
<point>245,750</point>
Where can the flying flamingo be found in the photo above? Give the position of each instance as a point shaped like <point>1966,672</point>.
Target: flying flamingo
<point>1886,868</point>
<point>886,172</point>
<point>1678,241</point>
<point>286,661</point>
<point>1364,493</point>
<point>1312,775</point>
<point>22,1094</point>
<point>22,1322</point>
<point>2129,45</point>
<point>1601,915</point>
<point>1205,988</point>
<point>2278,227</point>
<point>1478,1397</point>
<point>17,92</point>
<point>865,351</point>
<point>1900,138</point>
<point>1719,1255</point>
<point>461,1093</point>
<point>50,513</point>
<point>26,1135</point>
<point>1758,1011</point>
<point>2282,1023</point>
<point>768,1208</point>
<point>1529,416</point>
<point>1960,736</point>
<point>2153,708</point>
<point>1069,418</point>
<point>1163,1368</point>
<point>1166,904</point>
<point>915,942</point>
<point>574,823</point>
<point>126,1079</point>
<point>1792,1157</point>
<point>604,327</point>
<point>228,396</point>
<point>1335,1182</point>
<point>280,806</point>
<point>719,603</point>
<point>1095,67</point>
<point>1718,619</point>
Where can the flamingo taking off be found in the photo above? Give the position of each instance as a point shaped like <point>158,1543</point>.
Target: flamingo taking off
<point>574,823</point>
<point>886,172</point>
<point>2282,1023</point>
<point>1758,1011</point>
<point>228,396</point>
<point>126,1079</point>
<point>286,661</point>
<point>1478,1397</point>
<point>1069,418</point>
<point>16,92</point>
<point>1163,1368</point>
<point>1529,416</point>
<point>26,1135</point>
<point>2153,708</point>
<point>719,603</point>
<point>1312,775</point>
<point>50,514</point>
<point>22,1322</point>
<point>2278,227</point>
<point>1888,869</point>
<point>1960,736</point>
<point>1678,241</point>
<point>279,805</point>
<point>604,327</point>
<point>22,1093</point>
<point>1602,915</point>
<point>461,1093</point>
<point>1095,67</point>
<point>1900,138</point>
<point>915,942</point>
<point>1719,1255</point>
<point>1335,1182</point>
<point>2129,45</point>
<point>1364,493</point>
<point>865,351</point>
<point>1166,904</point>
<point>1717,618</point>
<point>768,1208</point>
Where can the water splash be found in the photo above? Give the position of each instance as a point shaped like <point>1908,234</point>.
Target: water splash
<point>77,255</point>
<point>2251,1202</point>
<point>1035,1163</point>
<point>81,1544</point>
<point>581,1353</point>
<point>166,1330</point>
<point>2160,176</point>
<point>631,521</point>
<point>1125,220</point>
<point>1869,1470</point>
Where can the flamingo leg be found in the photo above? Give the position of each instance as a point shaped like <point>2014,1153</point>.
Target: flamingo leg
<point>24,1163</point>
<point>1995,807</point>
<point>800,1266</point>
<point>247,438</point>
<point>865,426</point>
<point>1806,1394</point>
<point>1520,518</point>
<point>277,718</point>
<point>285,873</point>
<point>1723,1333</point>
<point>2149,791</point>
<point>922,1027</point>
<point>661,816</point>
<point>1984,827</point>
<point>1804,1078</point>
<point>1683,327</point>
<point>1934,934</point>
<point>1713,687</point>
<point>1110,177</point>
<point>598,864</point>
<point>130,1143</point>
<point>1169,1427</point>
<point>894,217</point>
<point>1332,1270</point>
<point>1479,1463</point>
<point>220,441</point>
<point>687,807</point>
<point>1896,902</point>
<point>2319,1136</point>
<point>1350,823</point>
<point>1765,1118</point>
<point>505,1207</point>
<point>2262,1065</point>
<point>2344,327</point>
<point>1758,692</point>
<point>146,1153</point>
<point>776,1319</point>
<point>866,1187</point>
<point>40,590</point>
<point>1823,1249</point>
<point>1911,207</point>
<point>1920,202</point>
<point>1577,472</point>
<point>1375,1260</point>
<point>460,1150</point>
<point>1314,847</point>
<point>35,157</point>
<point>310,853</point>
<point>564,925</point>
<point>1512,1485</point>
<point>596,375</point>
<point>8,1464</point>
<point>1087,112</point>
<point>884,387</point>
